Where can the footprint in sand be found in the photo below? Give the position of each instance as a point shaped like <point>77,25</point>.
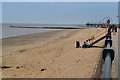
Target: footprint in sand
<point>23,50</point>
<point>43,69</point>
<point>78,60</point>
<point>19,67</point>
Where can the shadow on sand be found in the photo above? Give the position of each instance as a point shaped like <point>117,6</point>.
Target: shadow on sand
<point>97,46</point>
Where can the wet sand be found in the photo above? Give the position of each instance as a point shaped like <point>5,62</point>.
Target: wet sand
<point>50,55</point>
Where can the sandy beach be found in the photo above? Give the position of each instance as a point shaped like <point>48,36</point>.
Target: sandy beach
<point>51,55</point>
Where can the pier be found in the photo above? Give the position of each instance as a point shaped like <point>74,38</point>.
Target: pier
<point>95,25</point>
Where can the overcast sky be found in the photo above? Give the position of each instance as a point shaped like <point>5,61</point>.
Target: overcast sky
<point>58,12</point>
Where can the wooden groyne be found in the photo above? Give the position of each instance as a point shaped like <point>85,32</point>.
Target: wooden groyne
<point>48,27</point>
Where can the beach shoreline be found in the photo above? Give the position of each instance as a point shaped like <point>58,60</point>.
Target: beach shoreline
<point>50,55</point>
<point>26,35</point>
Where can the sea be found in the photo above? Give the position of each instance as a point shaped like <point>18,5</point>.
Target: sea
<point>8,31</point>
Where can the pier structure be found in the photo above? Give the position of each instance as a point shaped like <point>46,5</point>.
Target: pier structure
<point>95,25</point>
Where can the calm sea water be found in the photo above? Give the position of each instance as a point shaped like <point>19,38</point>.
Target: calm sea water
<point>7,31</point>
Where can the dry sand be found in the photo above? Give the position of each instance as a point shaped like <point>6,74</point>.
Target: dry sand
<point>50,55</point>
